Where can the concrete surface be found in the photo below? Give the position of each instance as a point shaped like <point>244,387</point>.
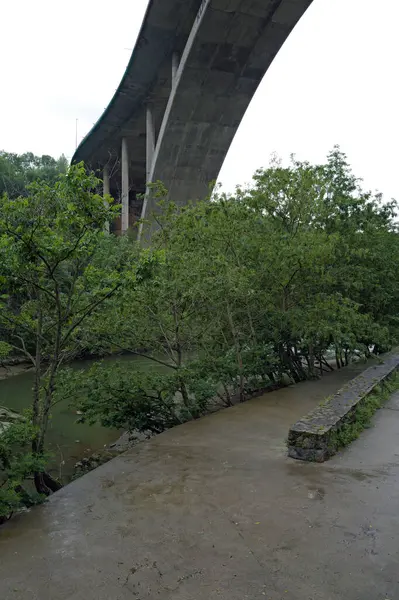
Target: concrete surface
<point>230,48</point>
<point>214,509</point>
<point>225,48</point>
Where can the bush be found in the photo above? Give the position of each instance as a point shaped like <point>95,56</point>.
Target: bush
<point>17,467</point>
<point>118,396</point>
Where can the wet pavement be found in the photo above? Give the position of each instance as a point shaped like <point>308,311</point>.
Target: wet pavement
<point>214,510</point>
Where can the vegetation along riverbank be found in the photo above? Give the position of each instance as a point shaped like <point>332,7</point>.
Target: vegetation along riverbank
<point>279,282</point>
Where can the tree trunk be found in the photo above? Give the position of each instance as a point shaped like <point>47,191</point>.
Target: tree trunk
<point>242,391</point>
<point>45,484</point>
<point>251,325</point>
<point>238,351</point>
<point>36,387</point>
<point>184,393</point>
<point>327,364</point>
<point>321,365</point>
<point>311,361</point>
<point>337,360</point>
<point>227,393</point>
<point>296,365</point>
<point>53,484</point>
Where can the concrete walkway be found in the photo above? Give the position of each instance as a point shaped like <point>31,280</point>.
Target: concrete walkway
<point>213,510</point>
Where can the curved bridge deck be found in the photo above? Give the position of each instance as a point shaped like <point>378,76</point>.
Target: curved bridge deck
<point>192,74</point>
<point>214,510</point>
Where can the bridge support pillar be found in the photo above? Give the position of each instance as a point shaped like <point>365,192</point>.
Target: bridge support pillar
<point>106,189</point>
<point>125,186</point>
<point>150,130</point>
<point>150,142</point>
<point>175,66</point>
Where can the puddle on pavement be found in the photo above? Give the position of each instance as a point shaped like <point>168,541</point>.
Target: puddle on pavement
<point>316,494</point>
<point>357,474</point>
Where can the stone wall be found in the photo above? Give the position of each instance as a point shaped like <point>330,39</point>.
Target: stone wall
<point>316,437</point>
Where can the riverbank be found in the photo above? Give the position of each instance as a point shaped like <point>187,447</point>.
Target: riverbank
<point>14,368</point>
<point>78,448</point>
<point>128,440</point>
<point>67,440</point>
<point>88,462</point>
<point>125,442</point>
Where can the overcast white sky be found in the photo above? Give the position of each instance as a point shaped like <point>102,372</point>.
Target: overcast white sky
<point>334,81</point>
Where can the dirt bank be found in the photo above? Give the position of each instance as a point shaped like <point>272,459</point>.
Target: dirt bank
<point>10,370</point>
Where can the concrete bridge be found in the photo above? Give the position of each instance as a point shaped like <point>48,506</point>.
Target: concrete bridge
<point>192,74</point>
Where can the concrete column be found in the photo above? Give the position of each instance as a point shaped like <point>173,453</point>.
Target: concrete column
<point>149,160</point>
<point>125,186</point>
<point>150,142</point>
<point>175,66</point>
<point>105,180</point>
<point>106,189</point>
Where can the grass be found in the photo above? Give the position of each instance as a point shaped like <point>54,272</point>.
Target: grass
<point>360,419</point>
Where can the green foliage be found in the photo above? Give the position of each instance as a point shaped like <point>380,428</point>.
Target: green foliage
<point>361,417</point>
<point>258,288</point>
<point>5,350</point>
<point>117,397</point>
<point>236,293</point>
<point>17,171</point>
<point>58,271</point>
<point>17,464</point>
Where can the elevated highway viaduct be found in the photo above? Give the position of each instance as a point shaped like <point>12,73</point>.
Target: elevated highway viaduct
<point>193,72</point>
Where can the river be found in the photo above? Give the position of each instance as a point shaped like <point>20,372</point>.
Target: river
<point>67,440</point>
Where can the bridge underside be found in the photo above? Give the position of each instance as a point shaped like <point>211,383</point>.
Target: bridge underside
<point>191,77</point>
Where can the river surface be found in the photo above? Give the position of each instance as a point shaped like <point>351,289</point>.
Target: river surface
<point>67,440</point>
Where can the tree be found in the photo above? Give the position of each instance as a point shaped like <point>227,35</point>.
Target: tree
<point>17,171</point>
<point>145,402</point>
<point>58,269</point>
<point>254,288</point>
<point>17,463</point>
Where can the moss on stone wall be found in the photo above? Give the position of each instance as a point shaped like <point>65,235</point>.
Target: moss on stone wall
<point>339,419</point>
<point>361,417</point>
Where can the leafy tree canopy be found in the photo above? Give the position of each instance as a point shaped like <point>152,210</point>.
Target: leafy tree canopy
<point>17,171</point>
<point>58,269</point>
<point>268,283</point>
